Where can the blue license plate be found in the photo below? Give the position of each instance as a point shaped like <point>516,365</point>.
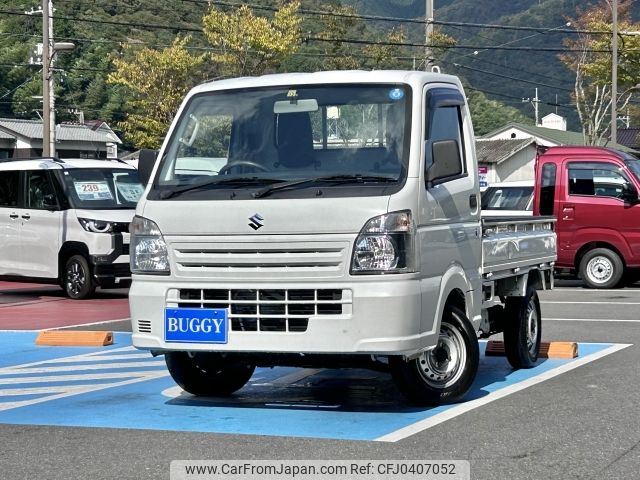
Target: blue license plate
<point>196,325</point>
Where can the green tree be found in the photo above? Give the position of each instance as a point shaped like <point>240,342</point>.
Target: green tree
<point>250,44</point>
<point>591,65</point>
<point>156,82</point>
<point>489,115</point>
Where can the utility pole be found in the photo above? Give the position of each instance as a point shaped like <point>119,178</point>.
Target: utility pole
<point>428,31</point>
<point>614,73</point>
<point>535,102</point>
<point>48,113</point>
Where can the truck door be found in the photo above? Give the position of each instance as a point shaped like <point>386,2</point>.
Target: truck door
<point>9,222</point>
<point>40,226</point>
<point>594,206</point>
<point>448,232</point>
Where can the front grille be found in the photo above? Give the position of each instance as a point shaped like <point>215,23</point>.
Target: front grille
<point>121,227</point>
<point>125,249</point>
<point>144,326</point>
<point>242,260</point>
<point>267,310</point>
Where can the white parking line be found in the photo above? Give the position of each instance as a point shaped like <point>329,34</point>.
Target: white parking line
<point>85,368</point>
<point>503,392</point>
<point>587,303</point>
<point>592,291</point>
<point>595,320</point>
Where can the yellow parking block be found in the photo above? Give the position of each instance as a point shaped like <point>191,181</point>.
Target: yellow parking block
<point>547,349</point>
<point>75,338</point>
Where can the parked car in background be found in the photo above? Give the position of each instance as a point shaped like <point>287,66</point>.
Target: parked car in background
<point>67,222</point>
<point>508,199</point>
<point>593,193</point>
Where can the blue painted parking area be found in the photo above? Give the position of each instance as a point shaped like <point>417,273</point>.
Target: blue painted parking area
<point>120,387</point>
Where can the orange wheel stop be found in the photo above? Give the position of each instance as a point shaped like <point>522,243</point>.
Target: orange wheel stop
<point>547,349</point>
<point>75,338</point>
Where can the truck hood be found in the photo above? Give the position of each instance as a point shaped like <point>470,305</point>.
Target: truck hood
<point>124,215</point>
<point>265,217</point>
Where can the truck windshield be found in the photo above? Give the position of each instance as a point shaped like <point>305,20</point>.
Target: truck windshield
<point>102,188</point>
<point>294,137</point>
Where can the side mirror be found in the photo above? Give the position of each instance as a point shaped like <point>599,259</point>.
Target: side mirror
<point>629,193</point>
<point>146,162</point>
<point>442,160</point>
<point>50,202</point>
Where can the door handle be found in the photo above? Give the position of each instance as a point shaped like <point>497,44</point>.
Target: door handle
<point>473,201</point>
<point>26,216</point>
<point>13,215</point>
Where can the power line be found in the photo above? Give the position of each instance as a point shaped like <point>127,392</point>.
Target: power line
<point>522,80</point>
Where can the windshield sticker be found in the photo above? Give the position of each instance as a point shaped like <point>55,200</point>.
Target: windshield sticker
<point>396,94</point>
<point>93,191</point>
<point>131,192</point>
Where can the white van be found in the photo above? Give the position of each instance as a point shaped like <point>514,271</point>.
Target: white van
<point>67,222</point>
<point>508,199</point>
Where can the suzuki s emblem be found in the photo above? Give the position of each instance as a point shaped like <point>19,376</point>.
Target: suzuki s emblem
<point>256,221</point>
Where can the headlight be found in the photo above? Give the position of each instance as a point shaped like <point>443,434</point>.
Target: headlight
<point>148,253</point>
<point>96,226</point>
<point>385,245</point>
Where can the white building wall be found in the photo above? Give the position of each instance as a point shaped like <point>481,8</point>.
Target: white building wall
<point>520,166</point>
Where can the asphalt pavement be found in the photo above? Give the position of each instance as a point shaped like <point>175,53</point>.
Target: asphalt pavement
<point>582,424</point>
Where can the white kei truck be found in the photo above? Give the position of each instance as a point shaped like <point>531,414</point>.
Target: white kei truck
<point>329,219</point>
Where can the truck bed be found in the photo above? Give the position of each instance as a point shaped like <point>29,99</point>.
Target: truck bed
<point>510,245</point>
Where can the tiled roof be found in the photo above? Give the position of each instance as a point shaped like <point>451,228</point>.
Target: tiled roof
<point>559,137</point>
<point>6,136</point>
<point>495,151</point>
<point>629,137</point>
<point>32,129</point>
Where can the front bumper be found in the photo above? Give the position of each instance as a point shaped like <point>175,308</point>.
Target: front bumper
<point>381,316</point>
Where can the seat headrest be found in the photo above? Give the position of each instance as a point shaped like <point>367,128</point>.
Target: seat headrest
<point>294,140</point>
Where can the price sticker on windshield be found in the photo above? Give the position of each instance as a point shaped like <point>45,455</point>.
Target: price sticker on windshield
<point>131,192</point>
<point>93,191</point>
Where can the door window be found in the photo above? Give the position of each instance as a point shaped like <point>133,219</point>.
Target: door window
<point>547,188</point>
<point>9,189</point>
<point>596,179</point>
<point>40,192</point>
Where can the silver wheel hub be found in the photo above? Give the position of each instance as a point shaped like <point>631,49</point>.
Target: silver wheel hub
<point>532,328</point>
<point>599,269</point>
<point>75,278</point>
<point>444,365</point>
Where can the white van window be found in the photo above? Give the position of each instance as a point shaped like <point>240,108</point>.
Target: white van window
<point>40,192</point>
<point>9,188</point>
<point>102,188</point>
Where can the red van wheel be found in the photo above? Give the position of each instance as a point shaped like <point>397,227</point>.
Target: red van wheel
<point>601,268</point>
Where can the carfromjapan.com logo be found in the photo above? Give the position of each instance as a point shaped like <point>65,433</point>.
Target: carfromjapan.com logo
<point>256,221</point>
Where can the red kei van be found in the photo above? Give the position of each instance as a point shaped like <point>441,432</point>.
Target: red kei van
<point>593,193</point>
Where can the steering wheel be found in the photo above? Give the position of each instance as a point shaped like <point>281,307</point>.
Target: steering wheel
<point>242,163</point>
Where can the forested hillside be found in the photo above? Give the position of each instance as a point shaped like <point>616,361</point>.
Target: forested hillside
<point>101,28</point>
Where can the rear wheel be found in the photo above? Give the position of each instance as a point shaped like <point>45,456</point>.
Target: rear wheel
<point>207,374</point>
<point>522,329</point>
<point>78,282</point>
<point>601,268</point>
<point>444,374</point>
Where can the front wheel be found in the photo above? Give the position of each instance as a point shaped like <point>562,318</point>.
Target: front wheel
<point>601,268</point>
<point>77,282</point>
<point>207,374</point>
<point>445,373</point>
<point>522,329</point>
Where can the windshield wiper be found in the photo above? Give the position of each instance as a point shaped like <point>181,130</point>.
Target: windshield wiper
<point>344,178</point>
<point>165,194</point>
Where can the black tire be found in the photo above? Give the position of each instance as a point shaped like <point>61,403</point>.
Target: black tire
<point>432,379</point>
<point>601,268</point>
<point>522,329</point>
<point>77,281</point>
<point>207,374</point>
